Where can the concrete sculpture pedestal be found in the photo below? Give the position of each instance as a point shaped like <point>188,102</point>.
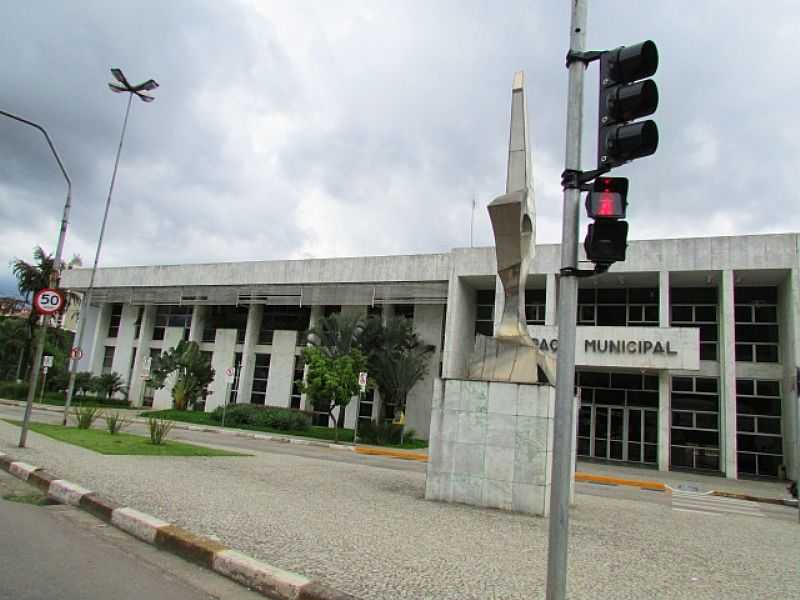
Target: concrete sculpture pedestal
<point>491,445</point>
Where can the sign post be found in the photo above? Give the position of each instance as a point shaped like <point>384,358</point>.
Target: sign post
<point>230,374</point>
<point>47,362</point>
<point>362,383</point>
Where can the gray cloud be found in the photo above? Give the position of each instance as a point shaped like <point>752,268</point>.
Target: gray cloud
<point>290,130</point>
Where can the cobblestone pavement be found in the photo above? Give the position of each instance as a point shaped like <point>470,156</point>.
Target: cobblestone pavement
<point>368,531</point>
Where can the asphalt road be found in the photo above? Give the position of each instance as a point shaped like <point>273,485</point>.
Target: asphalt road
<point>60,552</point>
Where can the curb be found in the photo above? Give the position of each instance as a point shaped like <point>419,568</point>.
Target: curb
<point>268,580</point>
<point>655,486</point>
<point>402,454</point>
<point>778,501</point>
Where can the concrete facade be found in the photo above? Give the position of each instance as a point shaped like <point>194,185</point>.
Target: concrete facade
<point>492,445</point>
<point>728,401</point>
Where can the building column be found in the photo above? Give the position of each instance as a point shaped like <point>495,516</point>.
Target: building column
<point>281,368</point>
<point>99,338</point>
<point>551,301</point>
<point>162,399</point>
<point>221,359</point>
<point>664,413</point>
<point>789,327</point>
<point>727,376</point>
<point>90,314</point>
<point>136,386</point>
<point>664,390</point>
<point>313,319</point>
<point>254,314</point>
<point>198,323</point>
<point>125,343</point>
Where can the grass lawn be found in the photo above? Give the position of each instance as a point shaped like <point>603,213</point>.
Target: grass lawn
<point>121,443</point>
<point>314,432</point>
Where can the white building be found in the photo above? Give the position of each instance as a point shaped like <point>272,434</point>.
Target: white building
<point>719,396</point>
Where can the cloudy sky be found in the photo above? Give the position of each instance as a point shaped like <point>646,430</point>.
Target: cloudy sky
<point>315,129</point>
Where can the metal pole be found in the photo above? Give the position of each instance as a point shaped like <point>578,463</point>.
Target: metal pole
<point>54,277</point>
<point>225,402</point>
<point>44,384</point>
<point>567,310</point>
<point>87,299</point>
<point>358,416</point>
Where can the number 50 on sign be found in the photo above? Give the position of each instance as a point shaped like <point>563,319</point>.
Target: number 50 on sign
<point>48,301</point>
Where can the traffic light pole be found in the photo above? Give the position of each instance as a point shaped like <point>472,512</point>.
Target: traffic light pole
<point>567,311</point>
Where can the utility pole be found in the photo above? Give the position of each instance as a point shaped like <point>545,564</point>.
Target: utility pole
<point>567,311</point>
<point>41,333</point>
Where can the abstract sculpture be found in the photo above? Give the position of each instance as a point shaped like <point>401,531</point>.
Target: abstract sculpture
<point>511,354</point>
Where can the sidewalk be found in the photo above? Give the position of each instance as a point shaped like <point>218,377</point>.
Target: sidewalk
<point>586,471</point>
<point>370,533</point>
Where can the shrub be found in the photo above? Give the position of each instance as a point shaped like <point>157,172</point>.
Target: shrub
<point>382,434</point>
<point>86,415</point>
<point>115,422</point>
<point>11,390</point>
<point>159,429</point>
<point>248,415</point>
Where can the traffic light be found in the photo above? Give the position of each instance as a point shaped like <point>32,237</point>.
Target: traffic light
<point>607,237</point>
<point>624,98</point>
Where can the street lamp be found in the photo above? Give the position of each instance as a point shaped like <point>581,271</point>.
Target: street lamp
<point>54,277</point>
<point>122,86</point>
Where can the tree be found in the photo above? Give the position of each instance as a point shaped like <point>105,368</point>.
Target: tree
<point>332,381</point>
<point>396,359</point>
<point>32,277</point>
<point>336,335</point>
<point>193,373</point>
<point>108,384</point>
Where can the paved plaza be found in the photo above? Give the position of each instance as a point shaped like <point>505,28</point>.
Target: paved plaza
<point>368,531</point>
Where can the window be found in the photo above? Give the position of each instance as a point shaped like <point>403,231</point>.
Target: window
<point>695,423</point>
<point>114,321</point>
<point>756,315</point>
<point>258,394</point>
<point>404,310</point>
<point>149,392</point>
<point>288,318</point>
<point>620,307</point>
<point>297,375</point>
<point>484,313</point>
<point>697,307</point>
<point>759,441</point>
<point>172,316</point>
<point>327,311</point>
<point>233,396</point>
<point>225,317</point>
<point>534,307</point>
<point>108,359</point>
<point>138,324</point>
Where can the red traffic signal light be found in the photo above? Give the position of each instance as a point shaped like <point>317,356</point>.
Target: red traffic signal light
<point>608,198</point>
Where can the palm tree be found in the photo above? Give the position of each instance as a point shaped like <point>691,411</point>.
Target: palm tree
<point>336,335</point>
<point>107,385</point>
<point>35,276</point>
<point>396,359</point>
<point>194,373</point>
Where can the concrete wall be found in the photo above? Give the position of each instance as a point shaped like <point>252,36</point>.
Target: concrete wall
<point>491,445</point>
<point>281,368</point>
<point>428,324</point>
<point>224,349</point>
<point>162,399</point>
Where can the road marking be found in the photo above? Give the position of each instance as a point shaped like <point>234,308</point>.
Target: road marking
<point>713,505</point>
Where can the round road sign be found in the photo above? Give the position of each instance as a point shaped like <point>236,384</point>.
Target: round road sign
<point>76,353</point>
<point>48,301</point>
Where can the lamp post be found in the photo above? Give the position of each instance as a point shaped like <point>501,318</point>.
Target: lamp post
<point>54,277</point>
<point>122,86</point>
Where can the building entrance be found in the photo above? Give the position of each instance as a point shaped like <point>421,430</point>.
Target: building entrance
<point>618,433</point>
<point>618,419</point>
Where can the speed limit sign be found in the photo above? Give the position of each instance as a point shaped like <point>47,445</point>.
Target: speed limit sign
<point>48,301</point>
